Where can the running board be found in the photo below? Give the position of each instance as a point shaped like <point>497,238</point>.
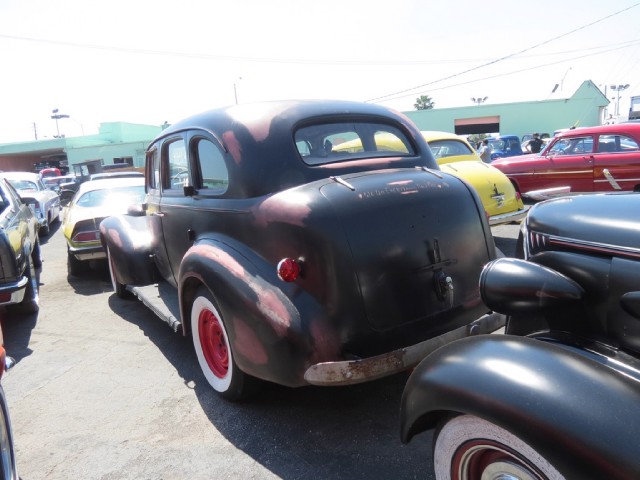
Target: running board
<point>162,299</point>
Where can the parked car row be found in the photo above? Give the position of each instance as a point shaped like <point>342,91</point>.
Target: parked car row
<point>332,243</point>
<point>45,203</point>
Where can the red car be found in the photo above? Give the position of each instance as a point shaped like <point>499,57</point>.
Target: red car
<point>590,159</point>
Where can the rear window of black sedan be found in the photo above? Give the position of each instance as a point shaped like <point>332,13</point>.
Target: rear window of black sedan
<point>339,142</point>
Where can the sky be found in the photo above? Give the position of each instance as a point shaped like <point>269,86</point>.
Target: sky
<point>156,61</point>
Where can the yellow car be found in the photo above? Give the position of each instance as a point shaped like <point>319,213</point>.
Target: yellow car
<point>499,198</point>
<point>455,156</point>
<point>94,201</point>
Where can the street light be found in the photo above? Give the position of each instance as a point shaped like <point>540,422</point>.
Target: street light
<point>618,89</point>
<point>57,116</point>
<point>479,100</point>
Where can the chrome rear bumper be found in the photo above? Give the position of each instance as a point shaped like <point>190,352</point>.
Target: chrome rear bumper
<point>363,370</point>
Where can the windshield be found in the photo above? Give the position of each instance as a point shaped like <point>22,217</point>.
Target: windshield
<point>449,148</point>
<point>24,185</point>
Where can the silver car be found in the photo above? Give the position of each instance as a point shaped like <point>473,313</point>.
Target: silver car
<point>47,203</point>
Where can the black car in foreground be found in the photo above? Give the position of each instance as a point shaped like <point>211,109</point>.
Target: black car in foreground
<point>291,261</point>
<point>558,396</point>
<point>19,250</point>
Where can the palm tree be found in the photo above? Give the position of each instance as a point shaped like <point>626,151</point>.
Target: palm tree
<point>424,102</point>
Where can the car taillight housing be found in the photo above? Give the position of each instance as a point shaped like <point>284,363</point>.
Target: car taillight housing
<point>289,269</point>
<point>87,236</point>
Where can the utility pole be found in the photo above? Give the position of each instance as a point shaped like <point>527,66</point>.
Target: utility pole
<point>57,116</point>
<point>618,89</point>
<point>35,130</point>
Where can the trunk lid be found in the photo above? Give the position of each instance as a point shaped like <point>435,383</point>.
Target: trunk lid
<point>416,242</point>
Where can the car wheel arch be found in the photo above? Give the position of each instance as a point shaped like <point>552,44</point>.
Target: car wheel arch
<point>434,394</point>
<point>236,280</point>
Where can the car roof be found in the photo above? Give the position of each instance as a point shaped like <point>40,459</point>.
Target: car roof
<point>255,137</point>
<point>103,175</point>
<point>105,184</point>
<point>23,175</point>
<point>632,128</point>
<point>260,118</point>
<point>432,135</point>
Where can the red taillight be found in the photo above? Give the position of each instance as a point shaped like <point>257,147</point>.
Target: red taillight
<point>288,269</point>
<point>91,236</point>
<point>5,297</point>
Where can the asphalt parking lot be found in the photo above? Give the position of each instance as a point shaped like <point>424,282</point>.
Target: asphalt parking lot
<point>102,389</point>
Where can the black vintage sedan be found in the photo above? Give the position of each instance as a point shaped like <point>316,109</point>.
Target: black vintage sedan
<point>19,250</point>
<point>558,396</point>
<point>292,261</point>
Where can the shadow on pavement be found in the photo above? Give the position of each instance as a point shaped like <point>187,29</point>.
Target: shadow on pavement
<point>311,432</point>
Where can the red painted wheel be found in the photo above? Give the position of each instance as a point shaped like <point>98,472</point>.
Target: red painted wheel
<point>213,349</point>
<point>214,343</point>
<point>468,447</point>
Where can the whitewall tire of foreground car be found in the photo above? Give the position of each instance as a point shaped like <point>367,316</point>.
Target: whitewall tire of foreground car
<point>213,349</point>
<point>468,447</point>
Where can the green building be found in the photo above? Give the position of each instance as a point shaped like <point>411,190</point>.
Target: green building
<point>585,108</point>
<point>125,143</point>
<point>115,143</point>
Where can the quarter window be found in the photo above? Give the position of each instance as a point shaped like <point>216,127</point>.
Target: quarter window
<point>617,143</point>
<point>214,176</point>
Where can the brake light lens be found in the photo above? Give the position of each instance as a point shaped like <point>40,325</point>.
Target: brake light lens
<point>90,236</point>
<point>288,270</point>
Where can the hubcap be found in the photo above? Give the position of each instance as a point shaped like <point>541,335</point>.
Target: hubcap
<point>488,460</point>
<point>214,346</point>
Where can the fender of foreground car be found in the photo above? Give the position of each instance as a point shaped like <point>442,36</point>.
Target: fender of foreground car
<point>571,400</point>
<point>537,391</point>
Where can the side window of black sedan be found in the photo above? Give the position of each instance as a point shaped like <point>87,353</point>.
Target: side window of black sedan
<point>177,174</point>
<point>214,176</point>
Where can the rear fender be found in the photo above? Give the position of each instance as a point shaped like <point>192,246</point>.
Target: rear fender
<point>131,246</point>
<point>579,414</point>
<point>268,332</point>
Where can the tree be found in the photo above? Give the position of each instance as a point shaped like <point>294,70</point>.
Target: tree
<point>424,102</point>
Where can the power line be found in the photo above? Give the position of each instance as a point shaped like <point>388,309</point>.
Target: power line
<point>294,61</point>
<point>405,94</point>
<point>506,56</point>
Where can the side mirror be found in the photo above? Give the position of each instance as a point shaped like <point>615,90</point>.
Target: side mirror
<point>66,196</point>
<point>189,190</point>
<point>137,210</point>
<point>513,287</point>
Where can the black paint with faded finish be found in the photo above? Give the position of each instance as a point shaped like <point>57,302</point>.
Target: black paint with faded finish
<point>390,248</point>
<point>566,378</point>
